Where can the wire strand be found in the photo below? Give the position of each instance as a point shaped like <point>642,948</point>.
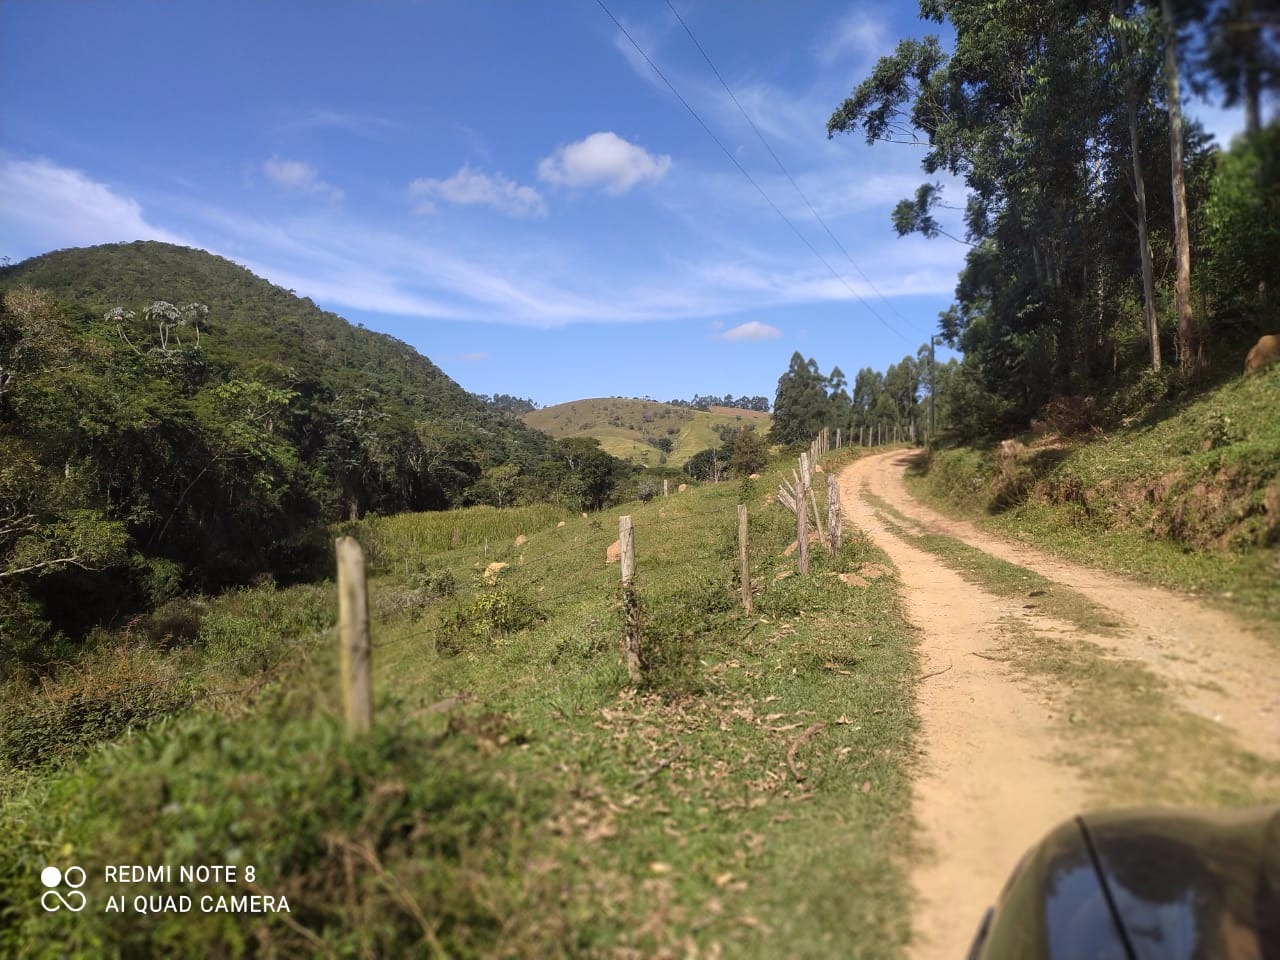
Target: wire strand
<point>750,179</point>
<point>782,167</point>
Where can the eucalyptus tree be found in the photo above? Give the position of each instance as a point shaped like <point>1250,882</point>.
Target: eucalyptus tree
<point>1241,54</point>
<point>1188,349</point>
<point>801,406</point>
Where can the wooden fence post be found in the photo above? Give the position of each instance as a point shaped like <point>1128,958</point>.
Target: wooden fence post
<point>353,636</point>
<point>631,607</point>
<point>834,523</point>
<point>744,567</point>
<point>802,516</point>
<point>665,481</point>
<point>817,517</point>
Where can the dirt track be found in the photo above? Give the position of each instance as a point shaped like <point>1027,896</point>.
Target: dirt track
<point>989,786</point>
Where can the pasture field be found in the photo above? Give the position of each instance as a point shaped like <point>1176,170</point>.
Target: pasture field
<point>516,796</point>
<point>626,428</point>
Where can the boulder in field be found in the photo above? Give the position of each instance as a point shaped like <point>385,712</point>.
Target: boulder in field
<point>492,570</point>
<point>614,553</point>
<point>521,540</point>
<point>1265,352</point>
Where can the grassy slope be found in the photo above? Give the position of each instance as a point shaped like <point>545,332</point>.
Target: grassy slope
<point>621,425</point>
<point>1186,499</point>
<point>516,797</point>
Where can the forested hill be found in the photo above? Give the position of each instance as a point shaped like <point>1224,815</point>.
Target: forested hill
<point>170,422</point>
<point>255,326</point>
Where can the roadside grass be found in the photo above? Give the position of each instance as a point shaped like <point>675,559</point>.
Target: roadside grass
<point>1126,732</point>
<point>998,576</point>
<point>516,797</point>
<point>1188,499</point>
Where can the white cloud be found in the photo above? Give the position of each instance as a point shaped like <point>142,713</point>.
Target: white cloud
<point>857,32</point>
<point>343,262</point>
<point>475,357</point>
<point>296,175</point>
<point>752,330</point>
<point>602,160</point>
<point>470,187</point>
<point>48,206</point>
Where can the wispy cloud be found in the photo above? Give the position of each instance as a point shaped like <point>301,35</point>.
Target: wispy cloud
<point>603,160</point>
<point>301,177</point>
<point>476,357</point>
<point>857,33</point>
<point>361,124</point>
<point>470,187</point>
<point>46,205</point>
<point>751,330</point>
<point>336,258</point>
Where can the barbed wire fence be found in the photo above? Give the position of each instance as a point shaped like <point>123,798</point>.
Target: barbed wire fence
<point>354,629</point>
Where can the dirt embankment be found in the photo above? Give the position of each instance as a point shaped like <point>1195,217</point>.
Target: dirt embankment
<point>993,779</point>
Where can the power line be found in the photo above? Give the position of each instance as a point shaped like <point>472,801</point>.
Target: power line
<point>782,167</point>
<point>750,179</point>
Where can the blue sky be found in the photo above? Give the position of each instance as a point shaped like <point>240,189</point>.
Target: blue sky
<point>509,188</point>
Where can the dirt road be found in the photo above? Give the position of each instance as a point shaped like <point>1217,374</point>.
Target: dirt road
<point>992,781</point>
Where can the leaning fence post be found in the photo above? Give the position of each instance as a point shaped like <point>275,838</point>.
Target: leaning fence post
<point>744,568</point>
<point>353,636</point>
<point>630,605</point>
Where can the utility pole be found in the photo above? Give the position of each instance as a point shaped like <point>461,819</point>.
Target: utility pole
<point>933,419</point>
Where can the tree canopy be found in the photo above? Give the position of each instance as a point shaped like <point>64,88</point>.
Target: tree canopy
<point>1061,120</point>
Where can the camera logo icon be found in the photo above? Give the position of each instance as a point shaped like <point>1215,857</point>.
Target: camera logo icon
<point>53,878</point>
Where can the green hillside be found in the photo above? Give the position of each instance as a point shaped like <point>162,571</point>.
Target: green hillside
<point>632,429</point>
<point>255,327</point>
<point>170,422</point>
<point>1187,496</point>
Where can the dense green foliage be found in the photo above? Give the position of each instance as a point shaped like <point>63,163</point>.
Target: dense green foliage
<point>1038,108</point>
<point>148,449</point>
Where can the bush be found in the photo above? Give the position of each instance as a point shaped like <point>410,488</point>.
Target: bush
<point>177,621</point>
<point>1014,477</point>
<point>671,626</point>
<point>493,613</point>
<point>107,694</point>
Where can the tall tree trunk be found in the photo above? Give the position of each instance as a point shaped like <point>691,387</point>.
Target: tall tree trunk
<point>1181,240</point>
<point>1140,191</point>
<point>1252,71</point>
<point>1252,98</point>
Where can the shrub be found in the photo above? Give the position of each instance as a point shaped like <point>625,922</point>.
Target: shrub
<point>177,621</point>
<point>672,624</point>
<point>494,612</point>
